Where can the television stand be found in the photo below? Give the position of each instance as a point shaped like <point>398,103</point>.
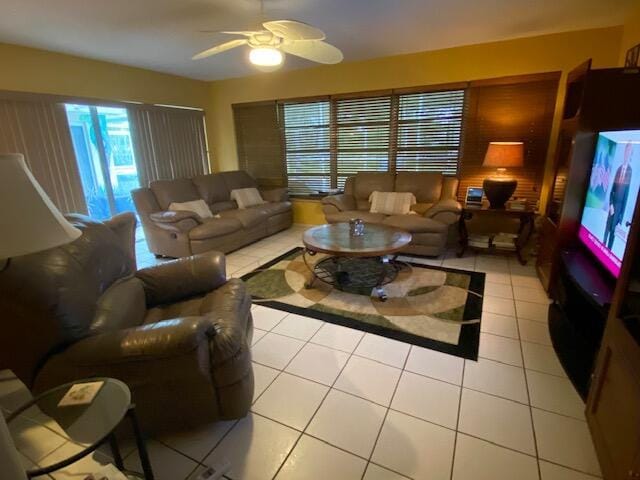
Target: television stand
<point>582,295</point>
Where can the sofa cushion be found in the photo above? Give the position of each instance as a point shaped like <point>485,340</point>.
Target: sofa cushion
<point>392,203</point>
<point>426,186</point>
<point>367,217</point>
<point>218,207</point>
<point>169,191</point>
<point>238,179</point>
<point>368,182</point>
<point>415,224</point>
<point>249,217</point>
<point>199,207</point>
<point>246,197</point>
<point>274,208</point>
<point>214,227</point>
<point>212,188</point>
<point>122,305</point>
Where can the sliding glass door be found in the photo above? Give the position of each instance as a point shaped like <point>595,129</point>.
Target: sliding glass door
<point>104,152</point>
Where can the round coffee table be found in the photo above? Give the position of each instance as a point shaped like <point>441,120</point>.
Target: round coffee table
<point>367,261</point>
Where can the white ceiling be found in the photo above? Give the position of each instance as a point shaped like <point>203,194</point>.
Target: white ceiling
<point>162,35</point>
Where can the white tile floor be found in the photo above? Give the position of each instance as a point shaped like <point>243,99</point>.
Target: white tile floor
<point>335,403</point>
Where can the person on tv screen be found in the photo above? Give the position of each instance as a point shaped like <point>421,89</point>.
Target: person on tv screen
<point>618,196</point>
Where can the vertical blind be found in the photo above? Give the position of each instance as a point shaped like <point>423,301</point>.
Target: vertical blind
<point>39,131</point>
<point>168,142</point>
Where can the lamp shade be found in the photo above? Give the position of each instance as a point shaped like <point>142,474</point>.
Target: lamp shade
<point>504,155</point>
<point>29,222</point>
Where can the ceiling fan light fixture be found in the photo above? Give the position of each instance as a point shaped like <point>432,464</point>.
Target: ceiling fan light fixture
<point>266,57</point>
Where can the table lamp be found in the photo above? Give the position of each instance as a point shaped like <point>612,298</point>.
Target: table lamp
<point>502,155</point>
<point>30,222</point>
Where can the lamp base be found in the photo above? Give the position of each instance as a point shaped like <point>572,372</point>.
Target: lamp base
<point>498,191</point>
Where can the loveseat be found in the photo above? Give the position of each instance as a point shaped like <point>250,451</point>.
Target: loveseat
<point>178,334</point>
<point>181,233</point>
<point>435,211</point>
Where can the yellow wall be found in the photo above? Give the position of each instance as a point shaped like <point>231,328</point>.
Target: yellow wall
<point>307,212</point>
<point>30,70</point>
<point>631,33</point>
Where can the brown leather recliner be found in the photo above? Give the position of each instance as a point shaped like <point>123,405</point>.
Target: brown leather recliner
<point>178,333</point>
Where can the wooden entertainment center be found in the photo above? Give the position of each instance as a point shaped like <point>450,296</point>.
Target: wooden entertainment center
<point>594,320</point>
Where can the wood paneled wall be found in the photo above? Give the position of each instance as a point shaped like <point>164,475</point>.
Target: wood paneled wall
<point>511,109</point>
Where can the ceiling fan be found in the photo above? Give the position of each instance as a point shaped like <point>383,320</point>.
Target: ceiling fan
<point>277,37</point>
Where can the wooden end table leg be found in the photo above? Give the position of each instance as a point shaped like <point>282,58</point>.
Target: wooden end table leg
<point>463,234</point>
<point>524,233</point>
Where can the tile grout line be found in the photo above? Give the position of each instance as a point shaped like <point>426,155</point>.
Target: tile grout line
<point>321,401</point>
<point>455,438</point>
<point>386,413</point>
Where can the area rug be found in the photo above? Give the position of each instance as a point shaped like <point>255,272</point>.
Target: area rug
<point>433,307</point>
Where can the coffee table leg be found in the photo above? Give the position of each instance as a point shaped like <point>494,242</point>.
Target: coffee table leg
<point>311,268</point>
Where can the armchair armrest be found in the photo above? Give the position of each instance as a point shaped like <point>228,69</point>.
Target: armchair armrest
<point>183,278</point>
<point>178,222</point>
<point>275,194</point>
<point>446,211</point>
<point>342,202</point>
<point>167,338</point>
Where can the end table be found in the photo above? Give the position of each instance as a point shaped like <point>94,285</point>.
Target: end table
<point>87,426</point>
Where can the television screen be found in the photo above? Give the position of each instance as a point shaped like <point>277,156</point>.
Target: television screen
<point>611,197</point>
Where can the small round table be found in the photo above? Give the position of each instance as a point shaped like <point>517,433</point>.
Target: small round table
<point>88,426</point>
<point>366,261</point>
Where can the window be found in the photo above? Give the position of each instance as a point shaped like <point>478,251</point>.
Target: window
<point>327,141</point>
<point>307,146</point>
<point>104,152</point>
<point>363,126</point>
<point>429,131</point>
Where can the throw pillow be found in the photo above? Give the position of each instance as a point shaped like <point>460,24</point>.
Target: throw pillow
<point>247,197</point>
<point>392,203</point>
<point>197,206</point>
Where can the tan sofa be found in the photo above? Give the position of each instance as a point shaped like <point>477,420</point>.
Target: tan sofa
<point>433,215</point>
<point>180,234</point>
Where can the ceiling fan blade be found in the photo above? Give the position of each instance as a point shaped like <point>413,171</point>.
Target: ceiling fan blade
<point>246,33</point>
<point>220,48</point>
<point>293,30</point>
<point>317,51</point>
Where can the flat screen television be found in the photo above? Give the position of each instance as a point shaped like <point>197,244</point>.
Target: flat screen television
<point>611,197</point>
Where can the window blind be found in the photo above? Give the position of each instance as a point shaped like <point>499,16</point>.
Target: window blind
<point>38,129</point>
<point>168,142</point>
<point>362,130</point>
<point>307,146</point>
<point>260,151</point>
<point>429,131</point>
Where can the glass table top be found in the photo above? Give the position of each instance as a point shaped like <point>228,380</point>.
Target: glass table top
<point>42,423</point>
<point>336,239</point>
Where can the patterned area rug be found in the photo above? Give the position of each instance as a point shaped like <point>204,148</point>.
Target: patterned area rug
<point>433,307</point>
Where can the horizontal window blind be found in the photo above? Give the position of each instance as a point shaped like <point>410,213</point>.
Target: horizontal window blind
<point>307,146</point>
<point>429,131</point>
<point>259,143</point>
<point>362,129</point>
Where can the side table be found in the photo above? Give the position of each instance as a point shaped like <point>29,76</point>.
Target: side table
<point>525,230</point>
<point>87,426</point>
